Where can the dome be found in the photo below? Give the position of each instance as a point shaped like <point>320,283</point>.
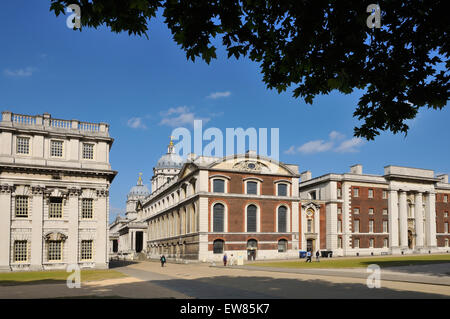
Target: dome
<point>169,160</point>
<point>140,189</point>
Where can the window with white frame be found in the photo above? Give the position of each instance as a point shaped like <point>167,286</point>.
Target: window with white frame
<point>87,208</point>
<point>370,226</point>
<point>218,246</point>
<point>385,243</point>
<point>385,226</point>
<point>370,193</point>
<point>20,251</point>
<point>370,211</point>
<point>339,192</point>
<point>309,224</point>
<point>282,189</point>
<point>218,185</point>
<point>252,188</point>
<point>282,219</point>
<point>446,227</point>
<point>22,206</point>
<point>371,242</point>
<point>88,151</point>
<point>218,218</point>
<point>356,226</point>
<point>446,242</point>
<point>355,192</point>
<point>385,211</point>
<point>339,242</point>
<point>252,212</point>
<point>86,249</point>
<point>23,145</point>
<point>356,243</point>
<point>56,148</point>
<point>445,214</point>
<point>54,250</point>
<point>339,226</point>
<point>356,211</point>
<point>385,194</point>
<point>55,207</point>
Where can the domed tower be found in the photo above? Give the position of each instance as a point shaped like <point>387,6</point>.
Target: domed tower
<point>168,166</point>
<point>138,192</point>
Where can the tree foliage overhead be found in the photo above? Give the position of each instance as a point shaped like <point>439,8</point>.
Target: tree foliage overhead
<point>311,46</point>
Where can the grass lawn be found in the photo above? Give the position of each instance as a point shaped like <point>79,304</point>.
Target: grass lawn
<point>59,276</point>
<point>359,262</point>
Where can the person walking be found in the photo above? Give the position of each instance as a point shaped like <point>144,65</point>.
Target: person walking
<point>317,256</point>
<point>231,260</point>
<point>225,260</point>
<point>163,260</point>
<point>308,256</point>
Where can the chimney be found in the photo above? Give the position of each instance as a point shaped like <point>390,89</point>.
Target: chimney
<point>443,178</point>
<point>305,176</point>
<point>356,169</point>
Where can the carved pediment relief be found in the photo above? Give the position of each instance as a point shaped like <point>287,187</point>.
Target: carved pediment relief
<point>55,236</point>
<point>251,166</point>
<point>311,205</point>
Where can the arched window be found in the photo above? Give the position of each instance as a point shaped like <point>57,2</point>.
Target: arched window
<point>218,186</point>
<point>252,244</point>
<point>282,219</point>
<point>252,188</point>
<point>251,218</point>
<point>218,246</point>
<point>282,245</point>
<point>218,218</point>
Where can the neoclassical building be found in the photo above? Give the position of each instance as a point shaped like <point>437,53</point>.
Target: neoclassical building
<point>255,207</point>
<point>54,192</point>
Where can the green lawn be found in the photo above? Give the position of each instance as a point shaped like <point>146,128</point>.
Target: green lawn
<point>60,276</point>
<point>359,262</point>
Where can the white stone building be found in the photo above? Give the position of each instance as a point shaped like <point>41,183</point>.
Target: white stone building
<point>55,177</point>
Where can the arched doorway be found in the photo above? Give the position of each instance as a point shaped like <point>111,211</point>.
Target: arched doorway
<point>252,247</point>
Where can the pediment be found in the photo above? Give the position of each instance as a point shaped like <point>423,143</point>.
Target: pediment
<point>258,165</point>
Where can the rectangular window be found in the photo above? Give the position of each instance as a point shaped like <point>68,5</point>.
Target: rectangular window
<point>356,226</point>
<point>339,242</point>
<point>282,190</point>
<point>88,151</point>
<point>356,243</point>
<point>446,242</point>
<point>371,242</point>
<point>54,250</point>
<point>356,211</point>
<point>355,192</point>
<point>87,208</point>
<point>385,194</point>
<point>385,243</point>
<point>446,214</point>
<point>370,226</point>
<point>445,198</point>
<point>22,206</point>
<point>385,211</point>
<point>370,193</point>
<point>55,208</point>
<point>218,186</point>
<point>252,188</point>
<point>339,192</point>
<point>385,226</point>
<point>86,249</point>
<point>339,226</point>
<point>20,251</point>
<point>446,228</point>
<point>370,211</point>
<point>339,210</point>
<point>309,226</point>
<point>23,145</point>
<point>56,148</point>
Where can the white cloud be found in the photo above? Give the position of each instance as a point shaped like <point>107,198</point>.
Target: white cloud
<point>315,147</point>
<point>180,116</point>
<point>336,143</point>
<point>218,95</point>
<point>26,72</point>
<point>350,146</point>
<point>136,123</point>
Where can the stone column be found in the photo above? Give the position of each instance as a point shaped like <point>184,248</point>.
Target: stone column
<point>101,243</point>
<point>430,221</point>
<point>418,215</point>
<point>5,226</point>
<point>403,220</point>
<point>393,220</point>
<point>73,211</point>
<point>331,226</point>
<point>37,216</point>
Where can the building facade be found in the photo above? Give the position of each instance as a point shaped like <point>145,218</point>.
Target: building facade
<point>55,177</point>
<point>251,206</point>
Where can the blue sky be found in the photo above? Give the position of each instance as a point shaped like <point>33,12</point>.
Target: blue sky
<point>142,88</point>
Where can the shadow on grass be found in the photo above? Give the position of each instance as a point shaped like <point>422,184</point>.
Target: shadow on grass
<point>9,283</point>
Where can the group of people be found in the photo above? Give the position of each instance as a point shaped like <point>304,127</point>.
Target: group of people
<point>309,256</point>
<point>230,262</point>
